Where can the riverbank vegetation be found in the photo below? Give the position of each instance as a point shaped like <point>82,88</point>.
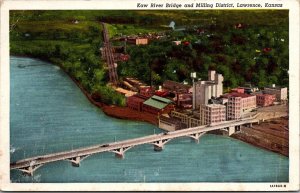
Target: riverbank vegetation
<point>245,46</point>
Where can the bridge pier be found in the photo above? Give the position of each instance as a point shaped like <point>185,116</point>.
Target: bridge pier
<point>120,153</point>
<point>231,130</point>
<point>29,170</point>
<point>75,161</point>
<point>159,145</point>
<point>196,136</point>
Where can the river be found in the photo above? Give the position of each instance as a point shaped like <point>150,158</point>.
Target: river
<point>49,113</point>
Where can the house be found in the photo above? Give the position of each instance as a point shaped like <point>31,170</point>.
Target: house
<point>158,105</point>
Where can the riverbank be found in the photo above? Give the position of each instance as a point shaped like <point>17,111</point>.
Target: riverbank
<point>262,135</point>
<point>116,111</point>
<point>272,135</point>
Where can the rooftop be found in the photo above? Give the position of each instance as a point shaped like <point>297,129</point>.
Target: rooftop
<point>235,94</point>
<point>215,105</point>
<point>176,85</point>
<point>157,102</point>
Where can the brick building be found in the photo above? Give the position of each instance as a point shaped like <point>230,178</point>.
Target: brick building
<point>239,103</point>
<point>212,113</point>
<point>146,91</point>
<point>279,92</point>
<point>238,90</point>
<point>173,86</point>
<point>183,93</point>
<point>158,105</point>
<point>265,99</point>
<point>135,102</point>
<point>233,108</point>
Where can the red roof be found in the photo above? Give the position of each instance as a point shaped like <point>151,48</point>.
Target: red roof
<point>161,93</point>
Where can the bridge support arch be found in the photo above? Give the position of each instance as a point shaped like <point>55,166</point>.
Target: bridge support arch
<point>76,160</point>
<point>29,170</point>
<point>120,153</point>
<point>196,136</point>
<point>159,145</point>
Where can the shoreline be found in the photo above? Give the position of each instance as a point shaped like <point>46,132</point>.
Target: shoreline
<point>129,114</point>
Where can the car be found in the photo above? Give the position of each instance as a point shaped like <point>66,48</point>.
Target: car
<point>165,133</point>
<point>105,145</point>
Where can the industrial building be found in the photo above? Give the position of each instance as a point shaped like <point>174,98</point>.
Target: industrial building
<point>146,91</point>
<point>158,105</point>
<point>233,111</point>
<point>212,113</point>
<point>173,86</point>
<point>265,99</point>
<point>135,102</point>
<point>183,93</point>
<point>239,103</point>
<point>205,90</point>
<point>279,92</point>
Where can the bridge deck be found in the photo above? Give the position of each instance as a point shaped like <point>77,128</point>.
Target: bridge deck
<point>86,151</point>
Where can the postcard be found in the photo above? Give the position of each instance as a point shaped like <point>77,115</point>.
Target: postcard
<point>129,95</point>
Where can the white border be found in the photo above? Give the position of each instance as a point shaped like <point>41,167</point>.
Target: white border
<point>5,184</point>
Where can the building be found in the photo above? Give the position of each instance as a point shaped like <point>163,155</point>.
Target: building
<point>265,99</point>
<point>279,92</point>
<point>138,41</point>
<point>205,90</point>
<point>174,87</point>
<point>158,105</point>
<point>184,100</point>
<point>238,104</point>
<point>238,90</point>
<point>170,123</point>
<point>187,120</point>
<point>135,102</point>
<point>233,111</point>
<point>147,91</point>
<point>183,93</point>
<point>212,113</point>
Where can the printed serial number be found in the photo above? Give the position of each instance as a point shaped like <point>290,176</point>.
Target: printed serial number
<point>277,185</point>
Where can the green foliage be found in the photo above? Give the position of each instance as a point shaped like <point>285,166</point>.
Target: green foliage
<point>236,53</point>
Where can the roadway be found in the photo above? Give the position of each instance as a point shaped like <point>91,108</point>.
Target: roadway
<point>110,147</point>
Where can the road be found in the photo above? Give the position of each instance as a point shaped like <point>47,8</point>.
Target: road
<point>115,146</point>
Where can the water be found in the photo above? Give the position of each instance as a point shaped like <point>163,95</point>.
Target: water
<point>50,114</point>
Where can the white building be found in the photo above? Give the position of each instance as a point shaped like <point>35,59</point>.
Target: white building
<point>204,90</point>
<point>212,113</point>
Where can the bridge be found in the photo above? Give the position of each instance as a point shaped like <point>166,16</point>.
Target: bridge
<point>29,165</point>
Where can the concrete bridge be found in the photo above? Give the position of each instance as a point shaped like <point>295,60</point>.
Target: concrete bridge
<point>29,165</point>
